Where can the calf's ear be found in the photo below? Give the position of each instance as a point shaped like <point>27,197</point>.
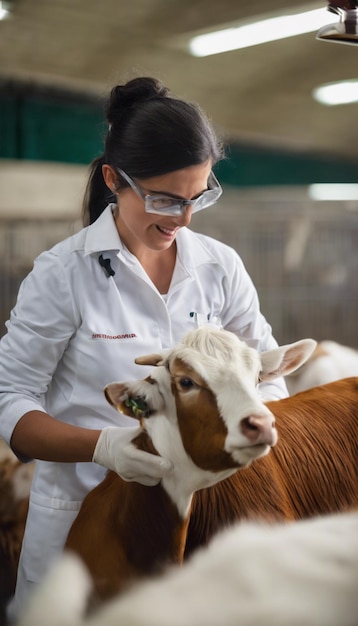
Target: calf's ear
<point>285,359</point>
<point>150,359</point>
<point>118,395</point>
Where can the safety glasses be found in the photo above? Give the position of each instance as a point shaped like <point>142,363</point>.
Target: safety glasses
<point>167,205</point>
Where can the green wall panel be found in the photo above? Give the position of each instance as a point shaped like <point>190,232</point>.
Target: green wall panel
<point>8,127</point>
<point>66,132</point>
<point>50,125</point>
<point>247,166</point>
<point>45,124</point>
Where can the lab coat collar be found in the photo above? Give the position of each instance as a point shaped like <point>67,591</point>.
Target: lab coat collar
<point>102,235</point>
<point>191,249</point>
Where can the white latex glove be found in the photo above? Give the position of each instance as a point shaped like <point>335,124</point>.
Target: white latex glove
<point>114,450</point>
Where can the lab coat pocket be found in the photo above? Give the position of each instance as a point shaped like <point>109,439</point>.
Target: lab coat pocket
<point>48,523</point>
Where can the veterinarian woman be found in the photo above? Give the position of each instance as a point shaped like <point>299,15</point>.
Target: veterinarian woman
<point>132,282</point>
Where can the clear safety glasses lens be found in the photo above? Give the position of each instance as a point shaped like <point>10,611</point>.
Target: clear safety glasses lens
<point>165,205</point>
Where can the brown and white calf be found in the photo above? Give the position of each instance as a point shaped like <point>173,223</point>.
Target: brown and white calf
<point>200,407</point>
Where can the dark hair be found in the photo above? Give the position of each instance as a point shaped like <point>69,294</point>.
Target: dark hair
<point>150,133</point>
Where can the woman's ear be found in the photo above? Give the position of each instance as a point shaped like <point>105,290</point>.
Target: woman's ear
<point>110,177</point>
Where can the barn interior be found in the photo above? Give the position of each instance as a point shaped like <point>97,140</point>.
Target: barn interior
<point>290,177</point>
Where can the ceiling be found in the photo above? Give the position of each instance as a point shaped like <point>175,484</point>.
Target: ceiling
<point>260,94</point>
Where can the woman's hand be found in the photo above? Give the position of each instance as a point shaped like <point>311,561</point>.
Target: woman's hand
<point>116,451</point>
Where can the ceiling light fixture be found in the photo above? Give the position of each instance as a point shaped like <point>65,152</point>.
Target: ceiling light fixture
<point>258,32</point>
<point>346,30</point>
<point>4,11</point>
<point>342,92</point>
<point>333,192</point>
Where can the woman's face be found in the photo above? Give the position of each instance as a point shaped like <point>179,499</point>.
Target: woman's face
<point>138,229</point>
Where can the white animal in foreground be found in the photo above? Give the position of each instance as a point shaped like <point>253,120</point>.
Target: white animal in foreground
<point>302,573</point>
<point>329,361</point>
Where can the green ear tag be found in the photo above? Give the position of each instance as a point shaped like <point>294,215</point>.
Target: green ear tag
<point>138,407</point>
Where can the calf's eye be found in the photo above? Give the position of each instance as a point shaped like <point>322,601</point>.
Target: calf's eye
<point>186,383</point>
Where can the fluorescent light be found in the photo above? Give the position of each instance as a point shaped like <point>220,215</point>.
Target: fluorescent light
<point>259,32</point>
<point>342,92</point>
<point>333,191</point>
<point>3,12</point>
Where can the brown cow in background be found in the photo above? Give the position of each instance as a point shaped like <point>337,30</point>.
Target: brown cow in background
<point>15,481</point>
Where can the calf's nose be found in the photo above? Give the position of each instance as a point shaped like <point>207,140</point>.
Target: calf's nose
<point>259,429</point>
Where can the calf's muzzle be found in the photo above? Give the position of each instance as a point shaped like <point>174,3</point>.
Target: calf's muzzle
<point>259,429</point>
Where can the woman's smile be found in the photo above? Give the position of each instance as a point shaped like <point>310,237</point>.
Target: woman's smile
<point>167,232</point>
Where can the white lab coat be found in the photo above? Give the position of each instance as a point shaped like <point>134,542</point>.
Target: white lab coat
<point>74,329</point>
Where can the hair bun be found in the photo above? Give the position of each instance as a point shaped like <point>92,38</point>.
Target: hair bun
<point>123,97</point>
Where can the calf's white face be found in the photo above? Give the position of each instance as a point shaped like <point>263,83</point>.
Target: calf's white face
<point>203,395</point>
